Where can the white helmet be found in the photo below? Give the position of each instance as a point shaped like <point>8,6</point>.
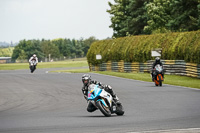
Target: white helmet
<point>34,55</point>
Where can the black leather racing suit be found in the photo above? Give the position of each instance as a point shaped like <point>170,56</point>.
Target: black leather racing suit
<point>153,66</point>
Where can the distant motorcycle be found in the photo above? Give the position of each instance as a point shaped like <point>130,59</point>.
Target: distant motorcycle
<point>103,101</point>
<point>158,74</point>
<point>32,66</point>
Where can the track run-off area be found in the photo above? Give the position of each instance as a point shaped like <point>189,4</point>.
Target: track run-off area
<point>45,102</point>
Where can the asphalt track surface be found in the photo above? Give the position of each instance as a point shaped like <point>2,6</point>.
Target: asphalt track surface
<point>45,102</point>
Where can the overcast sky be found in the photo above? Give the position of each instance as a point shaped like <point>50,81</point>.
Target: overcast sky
<point>51,19</point>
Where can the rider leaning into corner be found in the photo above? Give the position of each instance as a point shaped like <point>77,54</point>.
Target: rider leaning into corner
<point>33,58</point>
<point>156,62</point>
<point>86,79</point>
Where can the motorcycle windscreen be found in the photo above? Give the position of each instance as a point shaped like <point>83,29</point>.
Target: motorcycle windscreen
<point>158,68</point>
<point>93,91</point>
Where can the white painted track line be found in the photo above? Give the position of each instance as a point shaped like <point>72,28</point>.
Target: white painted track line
<point>189,130</point>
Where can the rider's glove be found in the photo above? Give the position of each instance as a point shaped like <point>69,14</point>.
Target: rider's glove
<point>93,81</point>
<point>100,84</point>
<point>84,90</point>
<point>85,97</point>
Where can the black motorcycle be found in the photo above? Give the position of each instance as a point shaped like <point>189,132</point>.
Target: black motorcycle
<point>32,66</point>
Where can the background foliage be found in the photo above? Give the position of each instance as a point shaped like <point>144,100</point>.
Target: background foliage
<point>56,49</point>
<point>135,17</point>
<point>6,52</point>
<point>175,46</point>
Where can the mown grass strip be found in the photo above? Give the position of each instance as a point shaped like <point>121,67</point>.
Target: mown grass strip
<point>58,64</point>
<point>73,71</point>
<point>169,79</point>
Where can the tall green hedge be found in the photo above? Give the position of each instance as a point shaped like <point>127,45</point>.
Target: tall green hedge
<point>175,46</point>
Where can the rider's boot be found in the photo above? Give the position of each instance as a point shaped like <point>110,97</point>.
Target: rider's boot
<point>152,77</point>
<point>116,99</point>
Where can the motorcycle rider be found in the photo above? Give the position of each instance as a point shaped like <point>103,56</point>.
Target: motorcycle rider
<point>86,79</point>
<point>156,62</point>
<point>33,58</point>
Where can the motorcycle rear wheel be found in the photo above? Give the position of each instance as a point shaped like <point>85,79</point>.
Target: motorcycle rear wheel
<point>120,110</point>
<point>160,81</point>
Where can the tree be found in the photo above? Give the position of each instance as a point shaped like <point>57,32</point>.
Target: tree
<point>158,12</point>
<point>198,6</point>
<point>18,49</point>
<point>87,43</point>
<point>137,19</point>
<point>57,48</point>
<point>22,55</point>
<point>66,48</point>
<point>119,16</point>
<point>134,17</point>
<point>49,48</point>
<point>185,14</point>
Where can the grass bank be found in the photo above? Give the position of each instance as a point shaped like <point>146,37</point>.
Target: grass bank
<point>73,71</point>
<point>58,64</point>
<point>169,79</point>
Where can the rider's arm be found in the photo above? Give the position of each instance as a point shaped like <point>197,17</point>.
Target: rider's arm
<point>36,60</point>
<point>161,64</point>
<point>30,59</point>
<point>153,66</point>
<point>85,91</point>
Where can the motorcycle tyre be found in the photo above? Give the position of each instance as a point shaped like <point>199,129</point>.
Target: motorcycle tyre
<point>156,82</point>
<point>100,105</point>
<point>120,110</point>
<point>32,69</point>
<point>160,81</point>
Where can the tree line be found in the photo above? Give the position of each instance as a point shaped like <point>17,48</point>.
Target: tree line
<point>54,49</point>
<point>6,52</point>
<point>136,17</point>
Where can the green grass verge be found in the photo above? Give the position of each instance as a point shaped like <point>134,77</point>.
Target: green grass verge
<point>169,79</point>
<point>73,71</point>
<point>68,63</point>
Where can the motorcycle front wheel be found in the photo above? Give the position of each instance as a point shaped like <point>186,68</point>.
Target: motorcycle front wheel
<point>105,110</point>
<point>32,69</point>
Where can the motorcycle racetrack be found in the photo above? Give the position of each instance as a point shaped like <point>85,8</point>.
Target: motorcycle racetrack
<point>43,102</point>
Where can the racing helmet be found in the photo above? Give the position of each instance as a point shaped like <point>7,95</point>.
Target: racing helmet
<point>34,55</point>
<point>157,60</point>
<point>86,78</point>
